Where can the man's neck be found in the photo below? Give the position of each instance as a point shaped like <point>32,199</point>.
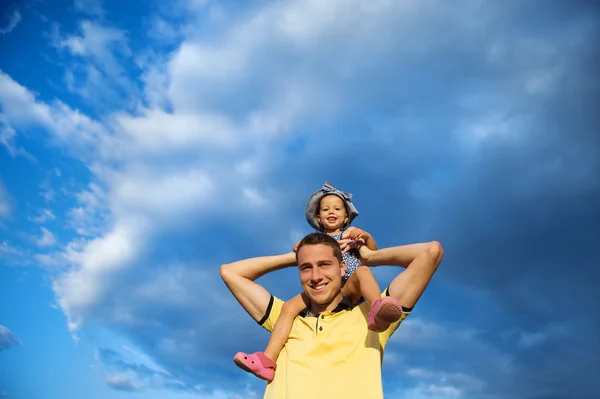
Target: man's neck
<point>318,309</point>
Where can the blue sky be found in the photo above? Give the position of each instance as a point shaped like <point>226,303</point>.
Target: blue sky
<point>144,146</point>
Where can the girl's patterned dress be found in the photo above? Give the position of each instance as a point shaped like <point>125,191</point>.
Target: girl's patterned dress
<point>350,258</point>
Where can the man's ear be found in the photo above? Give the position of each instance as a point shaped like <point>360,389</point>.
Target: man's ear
<point>343,268</point>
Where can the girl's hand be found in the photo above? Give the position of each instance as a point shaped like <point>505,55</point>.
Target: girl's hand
<point>354,233</point>
<point>348,245</point>
<point>295,248</point>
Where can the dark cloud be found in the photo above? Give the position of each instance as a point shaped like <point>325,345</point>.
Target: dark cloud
<point>516,210</point>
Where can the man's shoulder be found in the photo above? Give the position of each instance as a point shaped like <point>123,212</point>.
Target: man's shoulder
<point>271,313</point>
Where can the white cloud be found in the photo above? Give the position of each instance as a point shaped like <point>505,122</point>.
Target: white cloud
<point>99,52</point>
<point>15,18</point>
<point>154,79</point>
<point>47,239</point>
<point>164,31</point>
<point>44,216</point>
<point>89,217</point>
<point>85,285</point>
<point>5,201</point>
<point>165,195</point>
<point>7,139</point>
<point>157,131</point>
<point>217,117</point>
<point>8,249</point>
<point>90,7</point>
<point>14,255</point>
<point>47,194</point>
<point>68,128</point>
<point>189,126</point>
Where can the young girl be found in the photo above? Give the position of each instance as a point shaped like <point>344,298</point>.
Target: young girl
<point>330,211</point>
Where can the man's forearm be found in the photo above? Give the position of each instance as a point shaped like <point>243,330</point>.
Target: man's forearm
<point>394,256</point>
<point>254,268</point>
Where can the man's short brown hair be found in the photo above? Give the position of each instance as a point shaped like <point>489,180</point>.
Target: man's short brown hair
<point>321,238</point>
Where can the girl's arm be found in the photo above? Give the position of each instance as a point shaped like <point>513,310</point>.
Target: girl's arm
<point>354,233</point>
<point>370,243</point>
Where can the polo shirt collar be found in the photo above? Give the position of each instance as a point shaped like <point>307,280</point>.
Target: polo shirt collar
<point>344,304</point>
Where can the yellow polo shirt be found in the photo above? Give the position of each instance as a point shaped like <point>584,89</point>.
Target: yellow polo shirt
<point>330,356</point>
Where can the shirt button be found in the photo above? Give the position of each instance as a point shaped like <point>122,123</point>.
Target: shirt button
<point>322,317</point>
<point>321,328</point>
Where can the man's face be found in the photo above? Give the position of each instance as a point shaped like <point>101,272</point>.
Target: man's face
<point>320,273</point>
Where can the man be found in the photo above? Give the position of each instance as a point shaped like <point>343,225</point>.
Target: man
<point>330,352</point>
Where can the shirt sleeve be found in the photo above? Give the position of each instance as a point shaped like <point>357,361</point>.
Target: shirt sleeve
<point>272,314</point>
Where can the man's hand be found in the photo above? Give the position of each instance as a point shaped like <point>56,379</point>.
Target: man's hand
<point>295,248</point>
<point>348,245</point>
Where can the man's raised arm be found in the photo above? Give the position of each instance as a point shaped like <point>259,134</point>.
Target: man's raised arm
<point>421,262</point>
<point>239,277</point>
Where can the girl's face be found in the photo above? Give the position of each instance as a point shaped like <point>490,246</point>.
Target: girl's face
<point>332,213</point>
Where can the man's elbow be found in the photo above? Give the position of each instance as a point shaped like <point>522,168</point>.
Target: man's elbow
<point>435,251</point>
<point>225,272</point>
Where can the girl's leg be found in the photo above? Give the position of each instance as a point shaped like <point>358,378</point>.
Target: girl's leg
<point>384,311</point>
<point>283,326</point>
<point>262,364</point>
<point>362,283</point>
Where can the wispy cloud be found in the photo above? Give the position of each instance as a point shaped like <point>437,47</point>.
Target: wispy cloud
<point>97,70</point>
<point>47,192</point>
<point>44,216</point>
<point>5,201</point>
<point>7,249</point>
<point>126,375</point>
<point>7,139</point>
<point>47,239</point>
<point>90,7</point>
<point>8,339</point>
<point>14,20</point>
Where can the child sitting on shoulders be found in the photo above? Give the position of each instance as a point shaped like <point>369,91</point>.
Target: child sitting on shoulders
<point>330,211</point>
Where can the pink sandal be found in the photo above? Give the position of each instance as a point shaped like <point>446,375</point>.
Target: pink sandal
<point>256,363</point>
<point>384,312</point>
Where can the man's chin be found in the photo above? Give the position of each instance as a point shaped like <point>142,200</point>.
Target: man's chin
<point>320,299</point>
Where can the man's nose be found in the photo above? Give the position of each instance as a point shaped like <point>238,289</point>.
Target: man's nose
<point>317,274</point>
